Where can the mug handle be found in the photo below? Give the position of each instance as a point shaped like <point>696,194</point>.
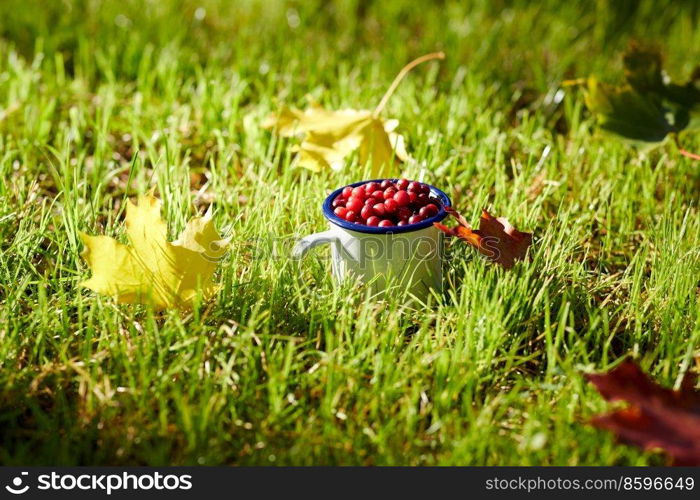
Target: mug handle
<point>305,244</point>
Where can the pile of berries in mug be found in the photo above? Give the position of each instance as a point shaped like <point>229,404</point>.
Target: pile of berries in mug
<point>389,203</point>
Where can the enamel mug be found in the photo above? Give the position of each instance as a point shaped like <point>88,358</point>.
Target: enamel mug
<point>396,259</point>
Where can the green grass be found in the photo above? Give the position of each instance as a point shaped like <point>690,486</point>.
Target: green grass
<point>101,100</point>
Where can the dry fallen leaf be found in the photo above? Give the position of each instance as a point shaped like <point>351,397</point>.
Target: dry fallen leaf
<point>657,418</point>
<point>496,238</point>
<point>329,137</point>
<point>152,270</point>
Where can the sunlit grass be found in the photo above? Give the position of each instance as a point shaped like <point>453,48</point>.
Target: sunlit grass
<point>101,100</point>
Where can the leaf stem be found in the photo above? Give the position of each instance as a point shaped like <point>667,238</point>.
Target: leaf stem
<point>686,153</point>
<point>404,71</point>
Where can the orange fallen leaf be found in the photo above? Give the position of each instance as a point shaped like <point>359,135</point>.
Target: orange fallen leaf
<point>656,418</point>
<point>496,238</point>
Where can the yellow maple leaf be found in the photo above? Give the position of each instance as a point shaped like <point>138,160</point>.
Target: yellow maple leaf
<point>330,136</point>
<point>152,270</point>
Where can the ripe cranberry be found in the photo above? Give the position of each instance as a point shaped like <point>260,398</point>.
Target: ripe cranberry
<point>429,210</point>
<point>402,184</point>
<point>404,213</point>
<point>422,199</point>
<point>386,203</point>
<point>389,192</point>
<point>378,194</point>
<point>379,209</point>
<point>355,204</point>
<point>371,187</point>
<point>414,186</point>
<point>402,198</point>
<point>359,192</point>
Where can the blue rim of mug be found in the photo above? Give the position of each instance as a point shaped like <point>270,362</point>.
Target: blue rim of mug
<point>435,192</point>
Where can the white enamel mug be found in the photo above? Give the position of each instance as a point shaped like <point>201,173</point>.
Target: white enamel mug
<point>395,259</point>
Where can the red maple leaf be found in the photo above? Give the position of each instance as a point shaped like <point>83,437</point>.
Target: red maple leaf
<point>496,238</point>
<point>656,418</point>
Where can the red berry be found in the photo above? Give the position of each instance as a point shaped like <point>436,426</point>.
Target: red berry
<point>404,213</point>
<point>415,219</point>
<point>338,202</point>
<point>414,186</point>
<point>402,184</point>
<point>379,209</point>
<point>429,210</point>
<point>371,201</point>
<point>378,194</point>
<point>402,222</point>
<point>347,192</point>
<point>391,206</point>
<point>371,187</point>
<point>355,204</point>
<point>402,198</point>
<point>422,199</point>
<point>373,221</point>
<point>389,192</point>
<point>367,212</point>
<point>386,183</point>
<point>359,192</point>
<point>385,223</point>
<point>412,196</point>
<point>340,212</point>
<point>351,216</point>
<point>425,188</point>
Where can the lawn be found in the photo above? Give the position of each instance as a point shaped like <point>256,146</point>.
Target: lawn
<point>102,100</point>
